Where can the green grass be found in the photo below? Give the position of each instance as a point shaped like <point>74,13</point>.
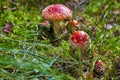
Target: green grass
<point>24,55</point>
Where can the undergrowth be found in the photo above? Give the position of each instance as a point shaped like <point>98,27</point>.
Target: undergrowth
<point>24,55</point>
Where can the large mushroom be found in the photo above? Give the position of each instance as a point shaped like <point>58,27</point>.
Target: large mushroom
<point>57,13</point>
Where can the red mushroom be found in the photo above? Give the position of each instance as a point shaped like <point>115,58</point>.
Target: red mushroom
<point>99,63</point>
<point>57,13</point>
<point>99,68</point>
<point>74,24</point>
<point>78,39</point>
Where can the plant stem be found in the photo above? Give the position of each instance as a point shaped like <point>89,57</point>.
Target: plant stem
<point>80,59</point>
<point>84,55</point>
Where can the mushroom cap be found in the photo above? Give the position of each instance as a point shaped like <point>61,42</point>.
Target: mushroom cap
<point>79,39</point>
<point>99,63</point>
<point>74,23</point>
<point>56,12</point>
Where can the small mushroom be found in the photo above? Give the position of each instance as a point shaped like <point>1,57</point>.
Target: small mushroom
<point>79,39</point>
<point>99,68</point>
<point>57,13</point>
<point>73,25</point>
<point>8,28</point>
<point>99,62</point>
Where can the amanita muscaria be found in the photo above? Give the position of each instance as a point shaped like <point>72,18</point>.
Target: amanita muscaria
<point>79,39</point>
<point>57,13</point>
<point>78,42</point>
<point>99,68</point>
<point>99,63</point>
<point>74,24</point>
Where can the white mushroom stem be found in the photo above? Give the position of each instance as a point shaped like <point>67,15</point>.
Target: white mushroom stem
<point>57,28</point>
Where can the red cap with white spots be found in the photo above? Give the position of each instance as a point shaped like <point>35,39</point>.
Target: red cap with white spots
<point>56,12</point>
<point>78,39</point>
<point>74,23</point>
<point>99,68</point>
<point>99,62</point>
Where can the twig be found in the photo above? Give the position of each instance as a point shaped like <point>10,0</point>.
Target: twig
<point>14,70</point>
